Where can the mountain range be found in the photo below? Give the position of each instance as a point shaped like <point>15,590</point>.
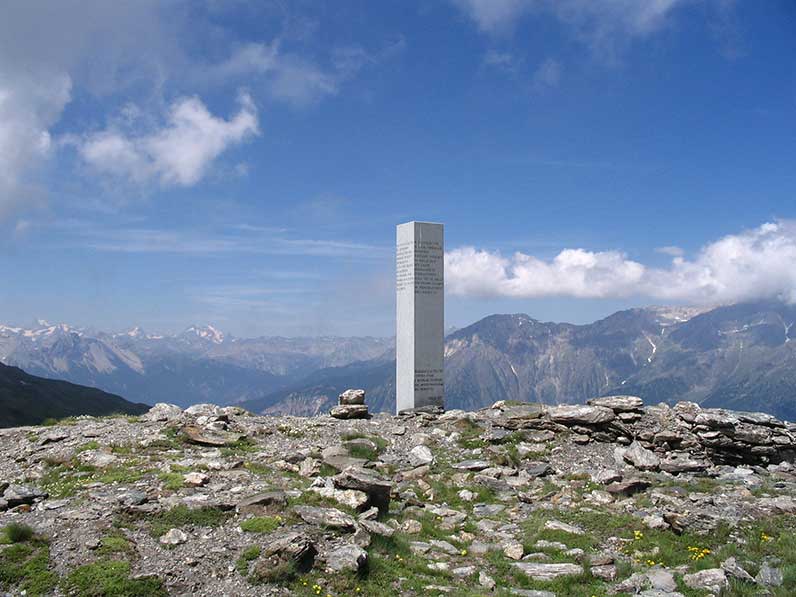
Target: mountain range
<point>740,356</point>
<point>30,400</point>
<point>201,364</point>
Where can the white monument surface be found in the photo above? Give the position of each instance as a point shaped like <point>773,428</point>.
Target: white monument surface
<point>420,300</point>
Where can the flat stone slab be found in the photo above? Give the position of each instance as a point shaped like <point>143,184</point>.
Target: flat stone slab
<point>472,465</point>
<point>618,403</point>
<point>581,415</point>
<point>556,525</point>
<point>325,517</point>
<point>548,571</point>
<point>207,437</point>
<point>262,502</point>
<point>349,411</point>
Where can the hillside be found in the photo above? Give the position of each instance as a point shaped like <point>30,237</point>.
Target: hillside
<point>613,498</point>
<point>740,356</point>
<point>29,400</point>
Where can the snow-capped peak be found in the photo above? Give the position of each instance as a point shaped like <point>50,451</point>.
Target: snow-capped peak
<point>207,332</point>
<point>135,332</point>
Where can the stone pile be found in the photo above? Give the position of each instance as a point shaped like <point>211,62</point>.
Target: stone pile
<point>682,438</point>
<point>351,405</point>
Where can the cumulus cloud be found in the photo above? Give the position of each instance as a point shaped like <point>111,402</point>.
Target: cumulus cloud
<point>754,264</point>
<point>28,108</point>
<point>93,45</point>
<point>179,153</point>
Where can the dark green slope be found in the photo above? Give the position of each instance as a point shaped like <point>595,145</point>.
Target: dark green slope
<point>29,400</point>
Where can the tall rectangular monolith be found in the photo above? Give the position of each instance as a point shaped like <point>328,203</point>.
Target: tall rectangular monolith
<point>420,329</point>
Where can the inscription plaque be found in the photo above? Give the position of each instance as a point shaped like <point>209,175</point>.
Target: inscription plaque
<point>419,285</point>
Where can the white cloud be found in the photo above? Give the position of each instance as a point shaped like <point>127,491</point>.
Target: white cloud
<point>547,75</point>
<point>493,16</point>
<point>294,79</point>
<point>671,250</point>
<point>754,264</point>
<point>177,154</point>
<point>607,25</point>
<point>604,25</point>
<point>28,108</point>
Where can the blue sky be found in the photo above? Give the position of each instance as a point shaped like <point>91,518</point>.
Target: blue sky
<point>245,164</point>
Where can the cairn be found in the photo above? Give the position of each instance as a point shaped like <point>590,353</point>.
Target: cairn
<point>351,405</point>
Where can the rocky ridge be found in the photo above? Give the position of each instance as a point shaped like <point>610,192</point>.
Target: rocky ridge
<point>608,498</point>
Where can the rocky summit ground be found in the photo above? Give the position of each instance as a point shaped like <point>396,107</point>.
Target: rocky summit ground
<point>612,498</point>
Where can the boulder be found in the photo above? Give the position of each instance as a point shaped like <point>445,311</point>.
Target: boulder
<point>352,397</point>
<point>162,412</point>
<point>641,458</point>
<point>627,487</point>
<point>357,500</point>
<point>712,579</point>
<point>769,576</point>
<point>17,495</point>
<point>196,479</point>
<point>513,550</point>
<point>377,488</point>
<point>292,550</point>
<point>420,455</point>
<point>97,458</point>
<point>733,569</point>
<point>174,537</point>
<point>347,557</point>
<point>204,410</point>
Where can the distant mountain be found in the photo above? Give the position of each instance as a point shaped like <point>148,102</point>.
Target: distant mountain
<point>29,400</point>
<point>201,364</point>
<point>741,357</point>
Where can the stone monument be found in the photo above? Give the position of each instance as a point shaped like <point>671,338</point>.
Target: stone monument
<point>420,302</point>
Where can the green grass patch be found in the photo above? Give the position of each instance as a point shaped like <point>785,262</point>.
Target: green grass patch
<point>256,468</point>
<point>381,443</point>
<point>110,578</point>
<point>65,479</point>
<point>172,481</point>
<point>261,524</point>
<point>249,554</point>
<point>91,445</point>
<point>115,543</point>
<point>51,422</point>
<point>364,452</point>
<point>182,516</point>
<point>244,445</point>
<point>392,570</point>
<point>470,435</point>
<point>16,533</point>
<point>26,567</point>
